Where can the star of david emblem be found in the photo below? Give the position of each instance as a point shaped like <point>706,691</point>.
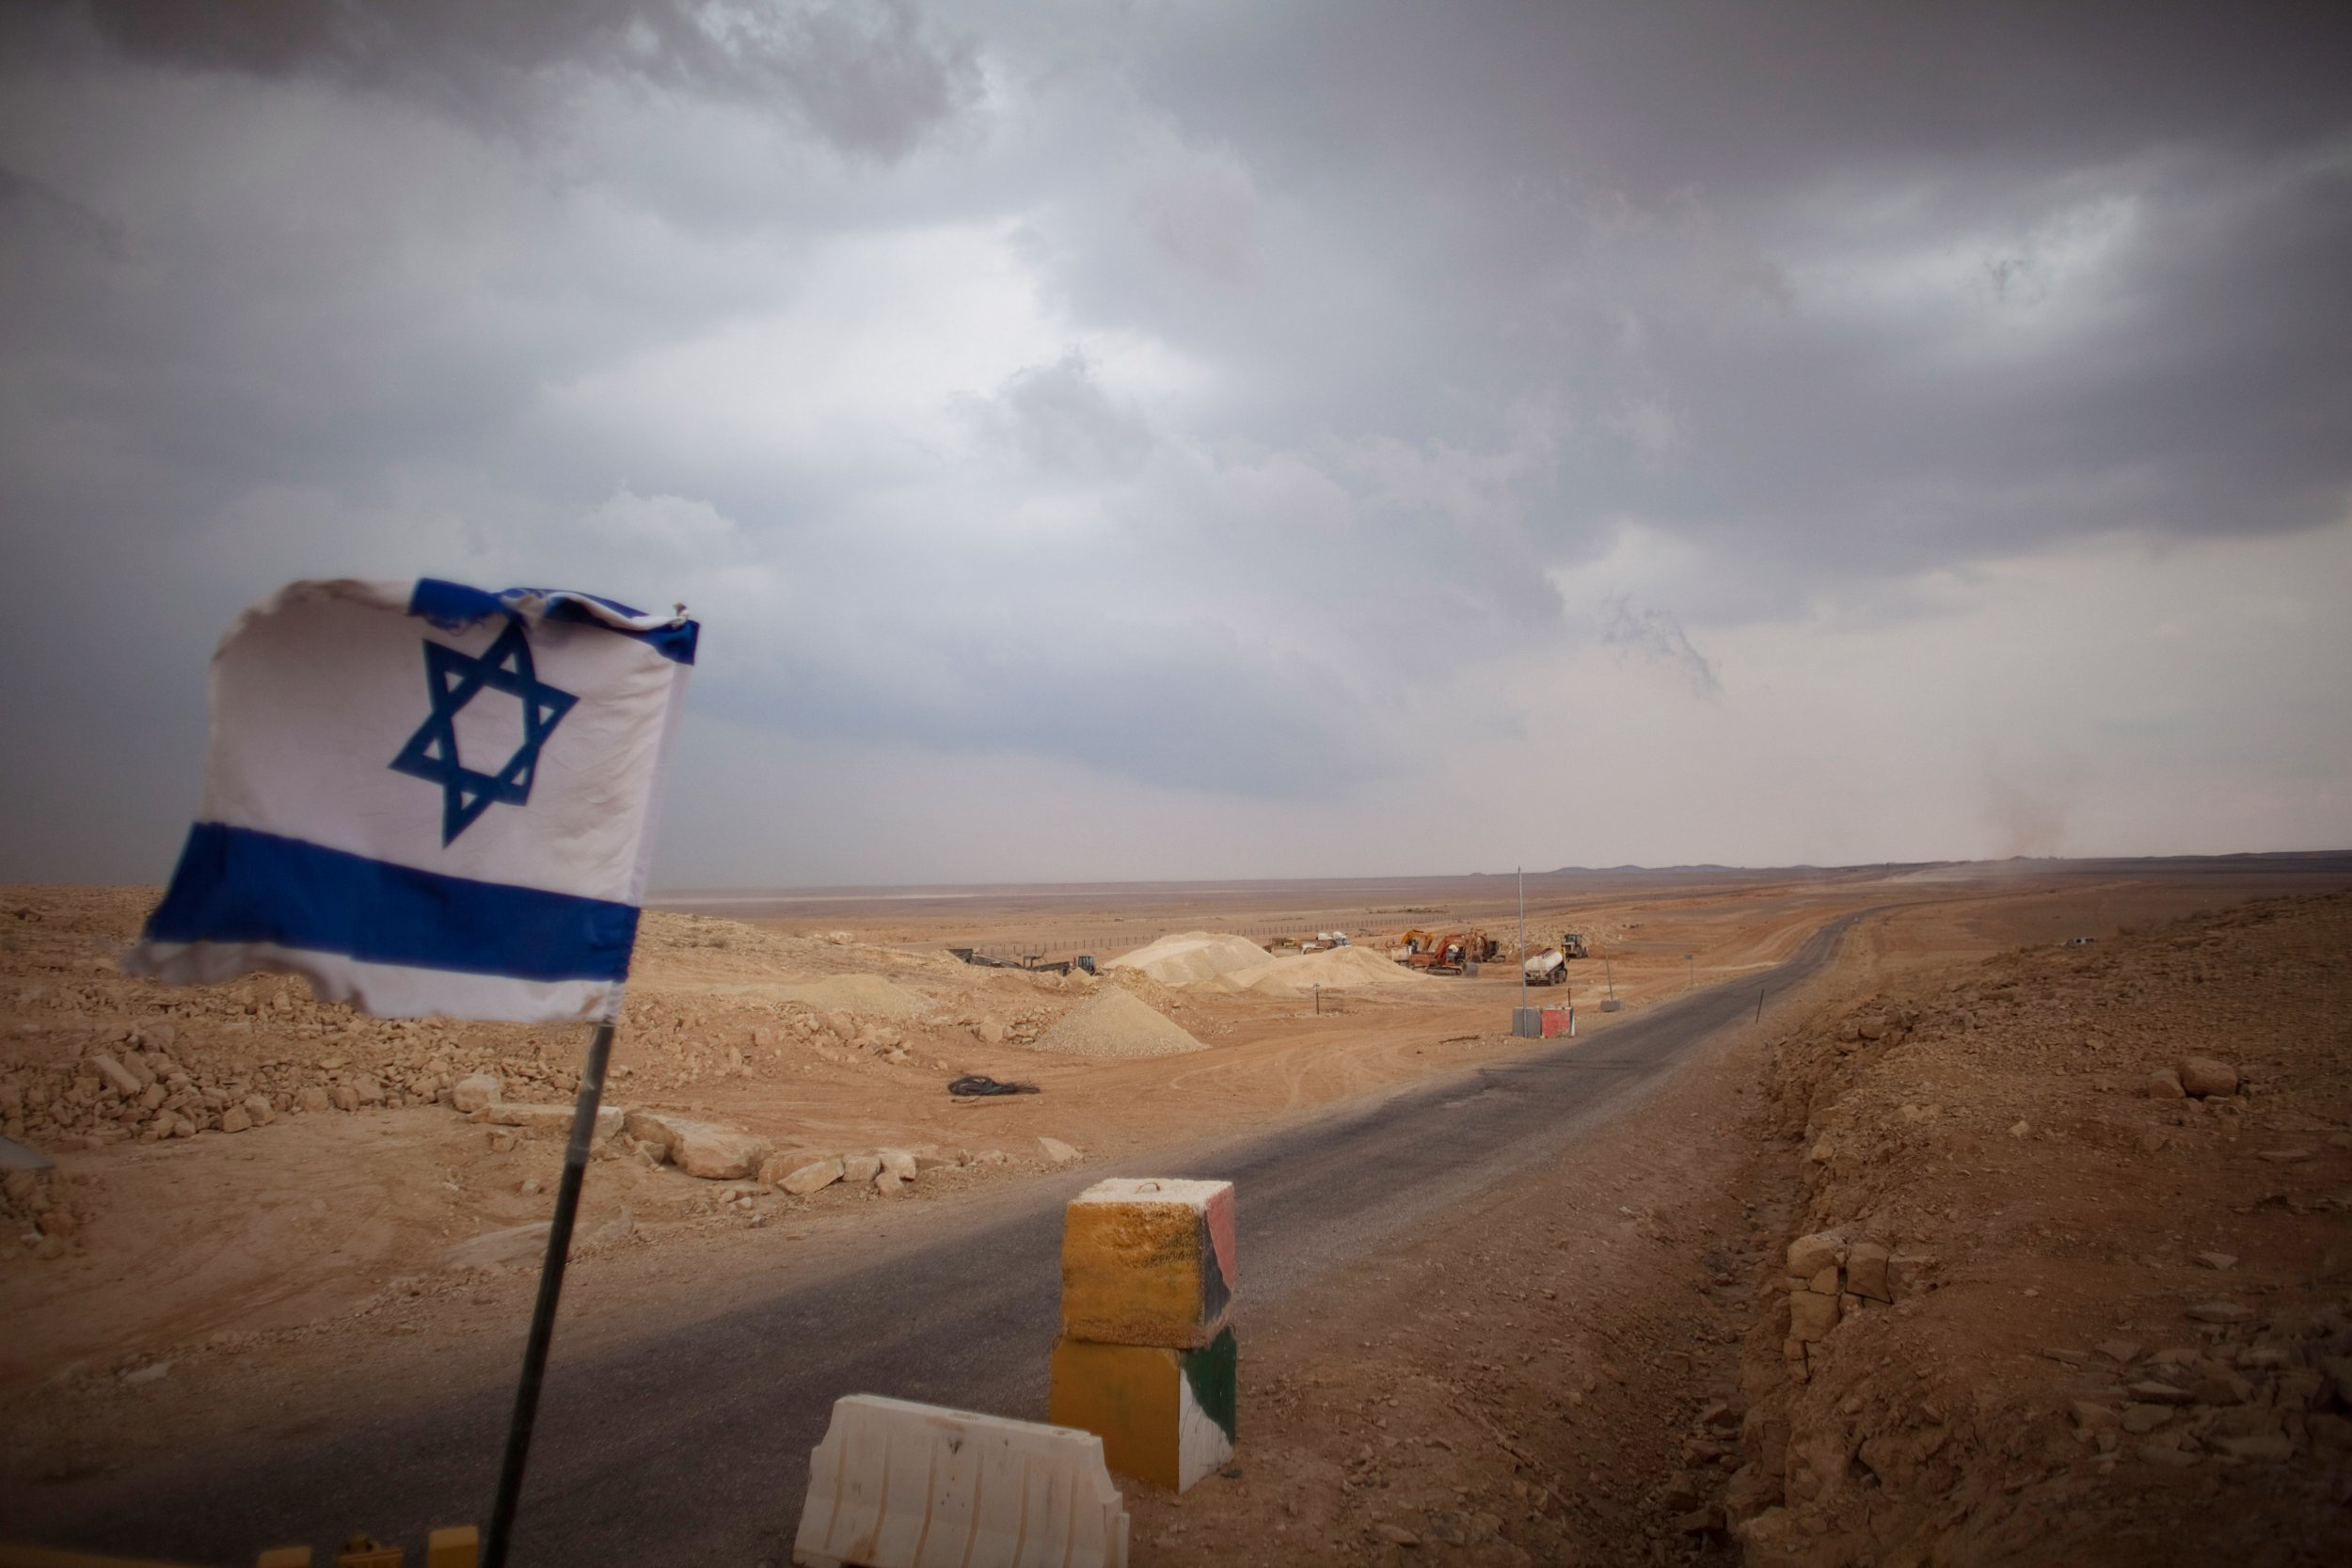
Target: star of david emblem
<point>454,678</point>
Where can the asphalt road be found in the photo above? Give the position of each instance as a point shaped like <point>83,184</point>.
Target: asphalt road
<point>692,1446</point>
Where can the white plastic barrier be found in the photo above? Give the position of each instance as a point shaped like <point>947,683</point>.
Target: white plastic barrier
<point>897,1484</point>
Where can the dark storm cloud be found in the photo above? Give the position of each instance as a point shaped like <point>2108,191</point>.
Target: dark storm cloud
<point>1255,400</point>
<point>870,79</point>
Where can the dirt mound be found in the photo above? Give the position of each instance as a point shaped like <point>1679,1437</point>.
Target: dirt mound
<point>857,993</point>
<point>1189,958</point>
<point>1333,968</point>
<point>1114,1024</point>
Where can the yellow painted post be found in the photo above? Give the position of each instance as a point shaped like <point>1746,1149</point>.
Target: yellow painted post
<point>1146,1359</point>
<point>453,1546</point>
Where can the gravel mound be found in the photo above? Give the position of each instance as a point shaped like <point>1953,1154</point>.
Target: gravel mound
<point>1111,1022</point>
<point>1189,958</point>
<point>1332,968</point>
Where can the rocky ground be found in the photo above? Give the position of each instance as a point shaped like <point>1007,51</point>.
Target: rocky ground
<point>1979,1262</point>
<point>2071,1262</point>
<point>1974,1252</point>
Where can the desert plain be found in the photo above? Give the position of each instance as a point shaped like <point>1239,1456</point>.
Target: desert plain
<point>1949,1248</point>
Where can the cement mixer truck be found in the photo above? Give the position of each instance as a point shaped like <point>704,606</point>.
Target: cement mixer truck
<point>1551,966</point>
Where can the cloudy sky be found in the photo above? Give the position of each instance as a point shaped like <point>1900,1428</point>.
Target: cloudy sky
<point>1168,439</point>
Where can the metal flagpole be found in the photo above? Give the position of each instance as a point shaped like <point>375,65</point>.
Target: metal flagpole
<point>550,1287</point>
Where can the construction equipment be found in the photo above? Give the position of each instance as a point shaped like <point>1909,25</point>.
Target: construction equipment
<point>1455,953</point>
<point>1035,963</point>
<point>1551,966</point>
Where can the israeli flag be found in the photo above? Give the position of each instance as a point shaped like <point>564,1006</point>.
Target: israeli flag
<point>428,799</point>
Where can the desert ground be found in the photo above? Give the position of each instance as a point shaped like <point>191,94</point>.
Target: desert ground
<point>2010,1340</point>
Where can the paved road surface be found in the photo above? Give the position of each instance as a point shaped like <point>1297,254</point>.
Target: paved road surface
<point>692,1446</point>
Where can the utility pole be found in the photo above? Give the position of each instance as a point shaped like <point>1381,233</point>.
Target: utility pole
<point>1522,936</point>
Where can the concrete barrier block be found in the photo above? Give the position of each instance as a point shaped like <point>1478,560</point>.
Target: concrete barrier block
<point>1148,1262</point>
<point>897,1484</point>
<point>1165,1415</point>
<point>453,1546</point>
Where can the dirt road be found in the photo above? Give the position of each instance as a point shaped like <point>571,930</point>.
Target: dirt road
<point>691,1446</point>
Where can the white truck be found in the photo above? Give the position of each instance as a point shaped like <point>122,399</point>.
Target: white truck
<point>1551,966</point>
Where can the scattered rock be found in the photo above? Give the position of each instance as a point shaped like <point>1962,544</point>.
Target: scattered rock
<point>2222,1312</point>
<point>474,1092</point>
<point>858,1169</point>
<point>1809,1255</point>
<point>2264,1447</point>
<point>711,1152</point>
<point>114,1075</point>
<point>235,1119</point>
<point>2151,1393</point>
<point>1397,1534</point>
<point>344,1097</point>
<point>497,1249</point>
<point>2202,1076</point>
<point>311,1097</point>
<point>2217,1259</point>
<point>898,1170</point>
<point>1866,1271</point>
<point>2164,1084</point>
<point>1059,1152</point>
<point>549,1117</point>
<point>810,1177</point>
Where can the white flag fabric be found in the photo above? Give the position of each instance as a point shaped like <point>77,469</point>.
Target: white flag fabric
<point>428,799</point>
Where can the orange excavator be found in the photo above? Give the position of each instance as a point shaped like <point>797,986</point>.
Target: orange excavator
<point>1450,954</point>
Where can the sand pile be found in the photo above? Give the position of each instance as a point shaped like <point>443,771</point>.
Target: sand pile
<point>1336,967</point>
<point>856,994</point>
<point>1113,1024</point>
<point>1189,958</point>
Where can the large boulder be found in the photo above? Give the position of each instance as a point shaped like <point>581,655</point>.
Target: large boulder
<point>474,1091</point>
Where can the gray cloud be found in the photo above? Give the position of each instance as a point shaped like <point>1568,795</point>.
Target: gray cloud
<point>1244,405</point>
<point>870,79</point>
<point>1061,418</point>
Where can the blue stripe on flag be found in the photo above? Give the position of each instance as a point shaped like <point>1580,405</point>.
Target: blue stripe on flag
<point>234,884</point>
<point>452,605</point>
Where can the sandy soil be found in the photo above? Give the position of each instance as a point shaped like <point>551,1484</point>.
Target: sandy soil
<point>332,1260</point>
